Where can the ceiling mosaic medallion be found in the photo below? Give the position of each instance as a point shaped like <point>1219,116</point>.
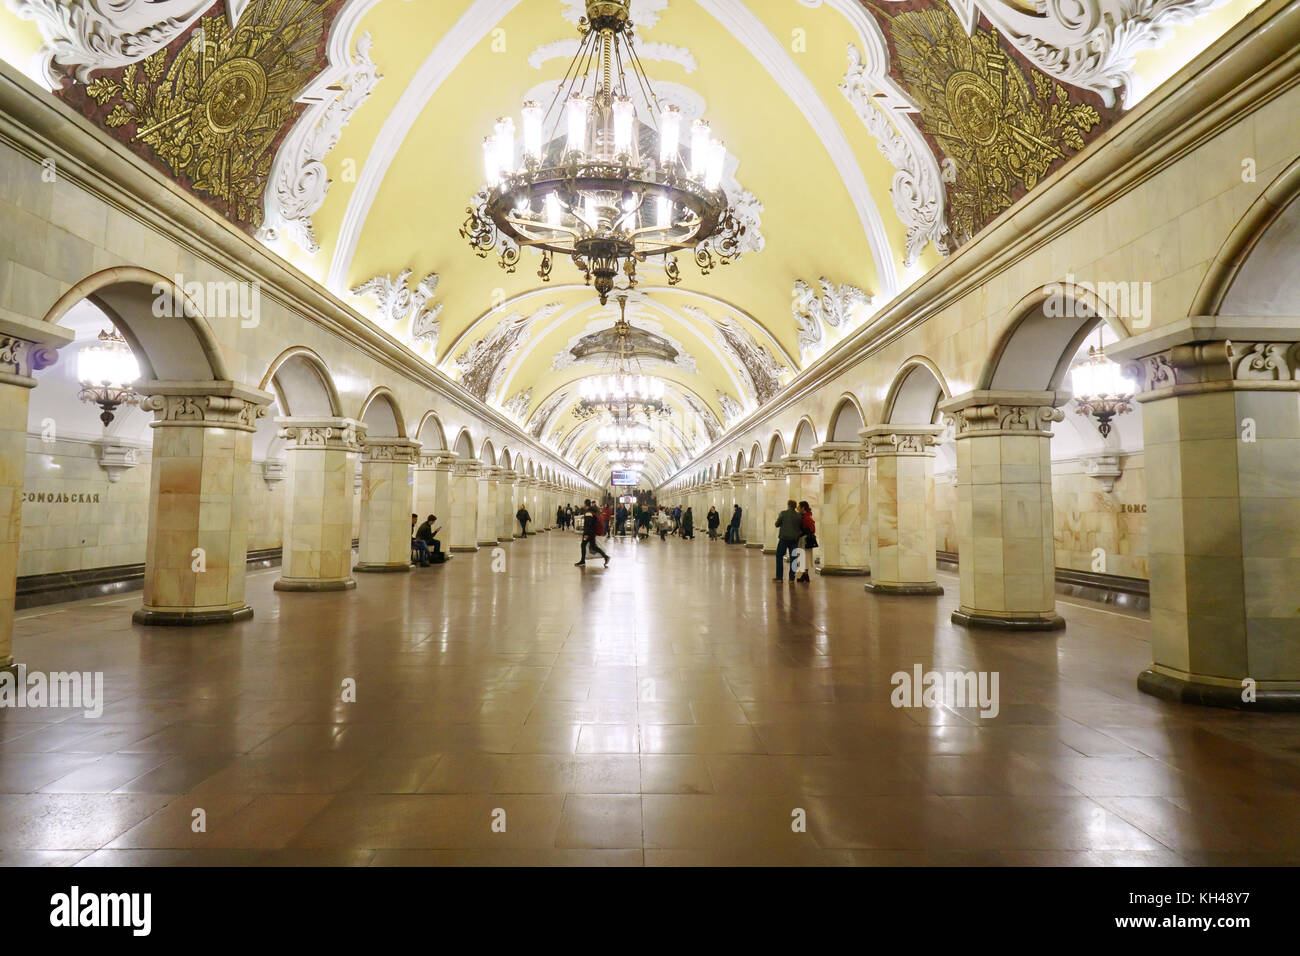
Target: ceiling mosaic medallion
<point>1000,125</point>
<point>212,107</point>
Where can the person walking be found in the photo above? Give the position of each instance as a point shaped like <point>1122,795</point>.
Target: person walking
<point>688,525</point>
<point>789,526</point>
<point>607,522</point>
<point>663,524</point>
<point>620,520</point>
<point>523,517</point>
<point>590,530</point>
<point>809,542</point>
<point>713,519</point>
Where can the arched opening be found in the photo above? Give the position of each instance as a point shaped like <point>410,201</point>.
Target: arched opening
<point>487,453</point>
<point>776,447</point>
<point>805,438</point>
<point>430,433</point>
<point>846,421</point>
<point>302,385</point>
<point>381,415</point>
<point>755,455</point>
<point>464,447</point>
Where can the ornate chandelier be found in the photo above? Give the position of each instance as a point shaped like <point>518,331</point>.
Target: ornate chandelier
<point>610,190</point>
<point>106,373</point>
<point>624,394</point>
<point>624,438</point>
<point>1100,388</point>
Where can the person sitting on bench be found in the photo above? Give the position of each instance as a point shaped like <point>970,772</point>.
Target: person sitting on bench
<point>420,549</point>
<point>427,534</point>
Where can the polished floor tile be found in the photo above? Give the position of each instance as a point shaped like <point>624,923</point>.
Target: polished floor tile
<point>675,709</point>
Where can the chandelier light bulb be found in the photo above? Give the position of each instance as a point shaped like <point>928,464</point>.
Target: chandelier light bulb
<point>717,161</point>
<point>532,120</point>
<point>575,109</point>
<point>490,161</point>
<point>624,117</point>
<point>553,211</point>
<point>670,132</point>
<point>108,364</point>
<point>1099,378</point>
<point>699,148</point>
<point>505,140</point>
<point>664,212</point>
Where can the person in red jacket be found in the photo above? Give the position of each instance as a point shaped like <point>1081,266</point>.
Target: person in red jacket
<point>809,542</point>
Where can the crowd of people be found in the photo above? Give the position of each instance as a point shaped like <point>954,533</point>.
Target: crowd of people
<point>796,529</point>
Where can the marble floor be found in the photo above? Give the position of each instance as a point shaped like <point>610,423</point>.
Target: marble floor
<point>676,708</point>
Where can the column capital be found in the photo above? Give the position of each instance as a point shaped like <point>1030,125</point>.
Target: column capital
<point>321,432</point>
<point>988,412</point>
<point>804,464</point>
<point>206,404</point>
<point>390,448</point>
<point>840,454</point>
<point>1215,367</point>
<point>26,347</point>
<point>772,470</point>
<point>507,476</point>
<point>466,467</point>
<point>901,440</point>
<point>439,460</point>
<point>748,474</point>
<point>489,472</point>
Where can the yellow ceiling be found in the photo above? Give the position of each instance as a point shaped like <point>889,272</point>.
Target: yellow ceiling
<point>809,221</point>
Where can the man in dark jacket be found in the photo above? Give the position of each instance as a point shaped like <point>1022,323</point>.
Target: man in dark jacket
<point>789,526</point>
<point>428,533</point>
<point>590,530</point>
<point>733,529</point>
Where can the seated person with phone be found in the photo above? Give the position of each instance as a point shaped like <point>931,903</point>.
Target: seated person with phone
<point>427,534</point>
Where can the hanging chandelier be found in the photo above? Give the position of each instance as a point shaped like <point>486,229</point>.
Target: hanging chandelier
<point>106,373</point>
<point>624,438</point>
<point>625,394</point>
<point>591,179</point>
<point>1100,388</point>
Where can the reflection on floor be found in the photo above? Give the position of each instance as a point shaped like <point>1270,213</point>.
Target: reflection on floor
<point>678,707</point>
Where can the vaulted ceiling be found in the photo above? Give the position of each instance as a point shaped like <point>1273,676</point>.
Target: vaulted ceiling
<point>865,140</point>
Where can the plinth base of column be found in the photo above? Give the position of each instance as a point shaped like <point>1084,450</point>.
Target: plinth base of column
<point>506,537</point>
<point>465,549</point>
<point>383,568</point>
<point>489,543</point>
<point>753,544</point>
<point>837,572</point>
<point>157,618</point>
<point>769,550</point>
<point>314,584</point>
<point>1046,622</point>
<point>875,587</point>
<point>1184,691</point>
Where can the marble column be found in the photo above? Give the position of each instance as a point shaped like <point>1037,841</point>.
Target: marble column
<point>196,554</point>
<point>26,347</point>
<point>507,486</point>
<point>753,515</point>
<point>804,481</point>
<point>489,507</point>
<point>776,491</point>
<point>1221,427</point>
<point>320,461</point>
<point>901,530</point>
<point>1006,551</point>
<point>465,491</point>
<point>433,491</point>
<point>842,527</point>
<point>387,494</point>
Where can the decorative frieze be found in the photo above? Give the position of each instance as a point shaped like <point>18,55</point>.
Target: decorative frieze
<point>847,454</point>
<point>343,434</point>
<point>388,449</point>
<point>1217,364</point>
<point>466,468</point>
<point>183,405</point>
<point>1005,412</point>
<point>437,461</point>
<point>901,439</point>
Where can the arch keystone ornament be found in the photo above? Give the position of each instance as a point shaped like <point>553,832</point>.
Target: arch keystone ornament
<point>1223,508</point>
<point>196,554</point>
<point>1007,553</point>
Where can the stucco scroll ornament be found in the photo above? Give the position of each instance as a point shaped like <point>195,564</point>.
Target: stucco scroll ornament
<point>395,302</point>
<point>20,357</point>
<point>834,308</point>
<point>1265,361</point>
<point>1015,418</point>
<point>299,179</point>
<point>731,409</point>
<point>1091,44</point>
<point>90,35</point>
<point>517,407</point>
<point>916,189</point>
